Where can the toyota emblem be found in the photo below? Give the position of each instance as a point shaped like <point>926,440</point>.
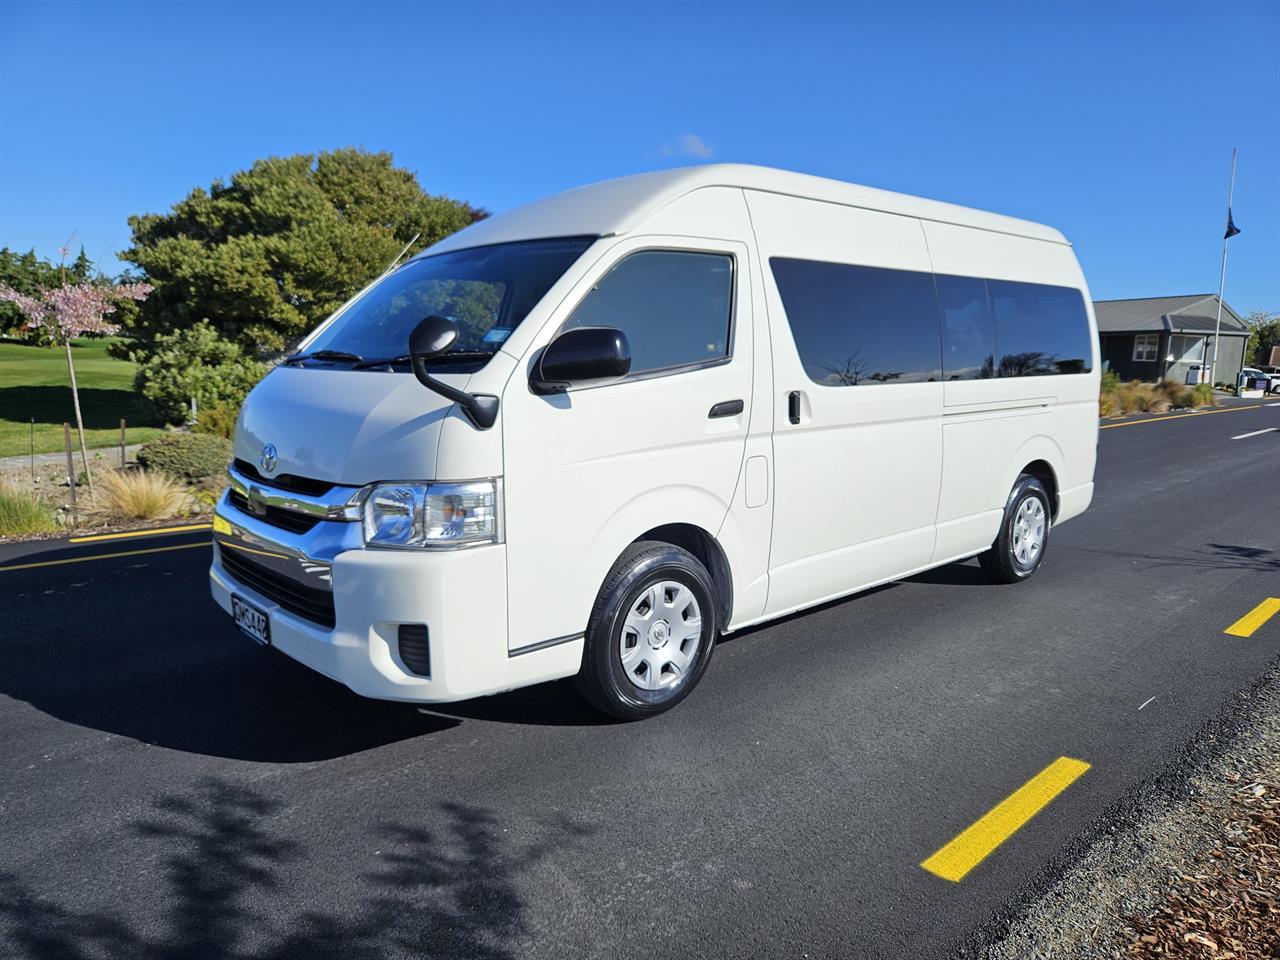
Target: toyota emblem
<point>269,458</point>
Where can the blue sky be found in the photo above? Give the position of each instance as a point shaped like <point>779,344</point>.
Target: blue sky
<point>1112,121</point>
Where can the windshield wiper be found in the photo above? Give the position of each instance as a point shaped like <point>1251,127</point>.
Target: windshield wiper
<point>458,356</point>
<point>382,362</point>
<point>323,355</point>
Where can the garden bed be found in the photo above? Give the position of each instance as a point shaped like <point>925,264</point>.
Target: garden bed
<point>178,480</point>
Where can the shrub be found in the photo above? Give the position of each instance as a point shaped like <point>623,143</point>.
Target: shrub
<point>195,362</point>
<point>21,511</point>
<point>186,456</point>
<point>219,420</point>
<point>1110,381</point>
<point>1109,406</point>
<point>1175,393</point>
<point>1202,395</point>
<point>1134,397</point>
<point>139,494</point>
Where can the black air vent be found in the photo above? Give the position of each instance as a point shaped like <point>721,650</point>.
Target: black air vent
<point>285,481</point>
<point>415,651</point>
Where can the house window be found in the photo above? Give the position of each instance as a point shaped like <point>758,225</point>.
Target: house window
<point>1146,346</point>
<point>1187,349</point>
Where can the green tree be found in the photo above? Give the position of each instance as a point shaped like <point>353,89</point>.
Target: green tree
<point>27,274</point>
<point>196,362</point>
<point>268,255</point>
<point>1265,334</point>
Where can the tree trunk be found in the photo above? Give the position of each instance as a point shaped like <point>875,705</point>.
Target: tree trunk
<point>75,398</point>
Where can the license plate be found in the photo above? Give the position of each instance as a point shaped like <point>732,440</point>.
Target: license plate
<point>253,623</point>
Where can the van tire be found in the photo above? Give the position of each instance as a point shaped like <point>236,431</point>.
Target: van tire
<point>1009,560</point>
<point>604,681</point>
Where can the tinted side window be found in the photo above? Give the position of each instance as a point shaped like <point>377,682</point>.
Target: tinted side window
<point>968,333</point>
<point>674,307</point>
<point>1039,329</point>
<point>860,325</point>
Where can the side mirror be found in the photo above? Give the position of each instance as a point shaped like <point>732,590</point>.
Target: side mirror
<point>432,337</point>
<point>580,357</point>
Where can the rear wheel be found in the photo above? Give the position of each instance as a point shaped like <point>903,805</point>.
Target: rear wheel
<point>651,632</point>
<point>1019,548</point>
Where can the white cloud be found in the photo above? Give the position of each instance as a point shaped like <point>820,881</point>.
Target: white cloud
<point>690,145</point>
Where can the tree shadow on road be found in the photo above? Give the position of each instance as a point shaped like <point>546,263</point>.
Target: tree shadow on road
<point>447,891</point>
<point>1216,556</point>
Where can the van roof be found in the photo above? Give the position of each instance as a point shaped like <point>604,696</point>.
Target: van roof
<point>618,206</point>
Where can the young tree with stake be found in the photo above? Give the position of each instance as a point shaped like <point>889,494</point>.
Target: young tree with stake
<point>70,311</point>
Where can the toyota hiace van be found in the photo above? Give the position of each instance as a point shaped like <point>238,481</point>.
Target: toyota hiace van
<point>588,437</point>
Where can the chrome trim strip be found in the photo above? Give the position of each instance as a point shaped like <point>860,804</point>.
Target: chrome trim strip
<point>340,503</point>
<point>544,644</point>
<point>303,557</point>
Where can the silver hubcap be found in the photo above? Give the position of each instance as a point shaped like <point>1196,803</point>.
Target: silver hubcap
<point>660,635</point>
<point>1029,525</point>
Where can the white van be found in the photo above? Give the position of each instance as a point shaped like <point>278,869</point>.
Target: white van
<point>589,436</point>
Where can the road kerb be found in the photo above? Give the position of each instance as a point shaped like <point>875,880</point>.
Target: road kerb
<point>976,842</point>
<point>1247,625</point>
<point>1179,416</point>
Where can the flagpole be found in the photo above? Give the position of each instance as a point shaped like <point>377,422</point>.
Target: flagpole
<point>1222,274</point>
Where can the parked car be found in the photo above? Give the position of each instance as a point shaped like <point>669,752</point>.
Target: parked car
<point>589,436</point>
<point>1270,374</point>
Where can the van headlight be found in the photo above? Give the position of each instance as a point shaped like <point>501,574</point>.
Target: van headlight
<point>432,515</point>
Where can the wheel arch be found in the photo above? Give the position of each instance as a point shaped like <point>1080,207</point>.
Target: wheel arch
<point>1042,470</point>
<point>709,553</point>
<point>1041,457</point>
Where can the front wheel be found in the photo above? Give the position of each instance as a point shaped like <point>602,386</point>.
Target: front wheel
<point>651,632</point>
<point>1019,548</point>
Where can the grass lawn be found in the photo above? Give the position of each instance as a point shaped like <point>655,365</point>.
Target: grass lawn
<point>34,383</point>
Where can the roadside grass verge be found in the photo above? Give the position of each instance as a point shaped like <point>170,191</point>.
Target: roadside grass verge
<point>34,383</point>
<point>22,511</point>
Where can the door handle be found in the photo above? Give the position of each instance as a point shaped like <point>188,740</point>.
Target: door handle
<point>793,406</point>
<point>725,408</point>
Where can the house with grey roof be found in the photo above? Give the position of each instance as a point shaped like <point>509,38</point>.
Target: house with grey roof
<point>1165,338</point>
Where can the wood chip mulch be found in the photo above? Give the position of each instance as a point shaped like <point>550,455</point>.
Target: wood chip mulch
<point>1230,907</point>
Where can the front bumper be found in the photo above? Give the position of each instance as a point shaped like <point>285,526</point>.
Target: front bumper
<point>460,595</point>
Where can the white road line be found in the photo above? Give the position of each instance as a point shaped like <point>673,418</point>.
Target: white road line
<point>1145,702</point>
<point>1273,404</point>
<point>1246,436</point>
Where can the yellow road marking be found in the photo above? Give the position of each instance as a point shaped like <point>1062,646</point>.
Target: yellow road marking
<point>1179,416</point>
<point>998,824</point>
<point>1251,621</point>
<point>103,556</point>
<point>139,533</point>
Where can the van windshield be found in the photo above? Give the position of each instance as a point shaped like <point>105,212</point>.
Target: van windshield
<point>486,291</point>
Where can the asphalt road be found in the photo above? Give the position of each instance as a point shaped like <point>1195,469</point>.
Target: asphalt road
<point>167,789</point>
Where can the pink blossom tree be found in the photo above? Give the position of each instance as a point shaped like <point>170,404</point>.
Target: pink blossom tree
<point>70,311</point>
